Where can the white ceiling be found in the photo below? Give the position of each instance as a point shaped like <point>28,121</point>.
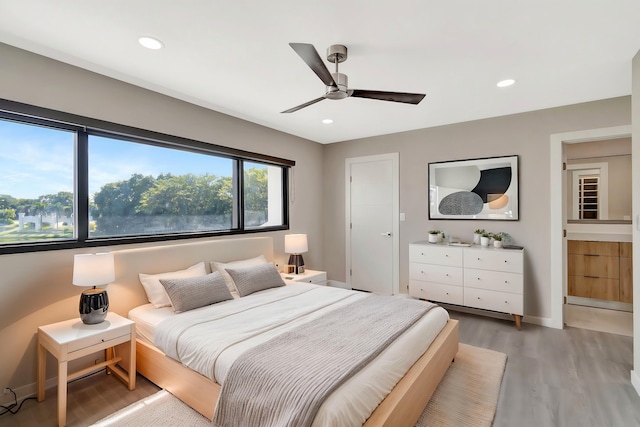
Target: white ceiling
<point>233,56</point>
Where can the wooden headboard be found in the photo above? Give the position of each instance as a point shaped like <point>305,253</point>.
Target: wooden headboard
<point>126,292</point>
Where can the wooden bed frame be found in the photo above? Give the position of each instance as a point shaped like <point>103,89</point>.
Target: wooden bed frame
<point>401,407</point>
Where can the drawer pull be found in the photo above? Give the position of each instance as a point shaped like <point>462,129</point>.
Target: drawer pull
<point>478,259</point>
<point>591,255</point>
<point>506,261</point>
<point>102,340</point>
<point>506,281</point>
<point>446,255</point>
<point>447,274</point>
<point>478,297</point>
<point>477,278</point>
<point>592,277</point>
<point>447,293</point>
<point>506,302</point>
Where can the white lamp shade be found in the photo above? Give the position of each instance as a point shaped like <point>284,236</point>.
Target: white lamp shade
<point>93,269</point>
<point>295,243</point>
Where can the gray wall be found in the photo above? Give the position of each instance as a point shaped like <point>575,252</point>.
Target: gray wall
<point>526,135</point>
<point>36,288</point>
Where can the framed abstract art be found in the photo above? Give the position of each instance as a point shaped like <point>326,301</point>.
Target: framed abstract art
<point>474,189</point>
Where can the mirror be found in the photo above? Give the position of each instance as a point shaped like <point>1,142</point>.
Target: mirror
<point>599,181</point>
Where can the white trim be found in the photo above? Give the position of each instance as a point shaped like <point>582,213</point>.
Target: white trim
<point>635,380</point>
<point>395,236</point>
<point>557,252</point>
<point>25,391</point>
<point>537,320</point>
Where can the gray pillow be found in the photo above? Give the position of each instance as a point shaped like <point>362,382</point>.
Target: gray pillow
<point>257,278</point>
<point>195,292</point>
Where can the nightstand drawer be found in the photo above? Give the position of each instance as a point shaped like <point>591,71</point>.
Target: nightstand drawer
<point>493,281</point>
<point>436,273</point>
<point>112,335</point>
<point>491,300</point>
<point>436,254</point>
<point>436,292</point>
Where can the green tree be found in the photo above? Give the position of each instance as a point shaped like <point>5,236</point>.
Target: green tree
<point>256,196</point>
<point>115,206</point>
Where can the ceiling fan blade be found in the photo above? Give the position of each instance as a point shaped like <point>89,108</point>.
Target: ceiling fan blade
<point>407,98</point>
<point>310,56</point>
<point>300,107</point>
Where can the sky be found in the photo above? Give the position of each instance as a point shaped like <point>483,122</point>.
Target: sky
<point>35,161</point>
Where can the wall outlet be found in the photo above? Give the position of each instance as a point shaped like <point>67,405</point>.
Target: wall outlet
<point>6,390</point>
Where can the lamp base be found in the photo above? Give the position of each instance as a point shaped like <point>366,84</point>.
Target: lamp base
<point>94,306</point>
<point>297,262</point>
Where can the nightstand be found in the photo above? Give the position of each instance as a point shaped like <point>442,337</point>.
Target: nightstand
<point>72,339</point>
<point>309,276</point>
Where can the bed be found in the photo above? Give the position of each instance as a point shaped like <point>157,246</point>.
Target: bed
<point>400,407</point>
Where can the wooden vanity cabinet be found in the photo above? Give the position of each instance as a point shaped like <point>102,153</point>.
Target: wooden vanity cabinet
<point>626,272</point>
<point>600,270</point>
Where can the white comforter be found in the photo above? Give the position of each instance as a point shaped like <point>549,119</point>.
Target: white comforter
<point>209,339</point>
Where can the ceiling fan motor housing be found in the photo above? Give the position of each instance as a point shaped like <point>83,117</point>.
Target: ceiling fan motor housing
<point>339,92</point>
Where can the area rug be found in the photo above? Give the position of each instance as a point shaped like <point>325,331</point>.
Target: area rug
<point>467,396</point>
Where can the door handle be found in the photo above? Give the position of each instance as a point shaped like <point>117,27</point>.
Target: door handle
<point>387,234</point>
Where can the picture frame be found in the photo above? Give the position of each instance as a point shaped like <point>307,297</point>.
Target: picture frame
<point>477,189</point>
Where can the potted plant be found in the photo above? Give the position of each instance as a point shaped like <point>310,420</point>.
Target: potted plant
<point>500,238</point>
<point>435,236</point>
<point>484,239</point>
<point>476,235</point>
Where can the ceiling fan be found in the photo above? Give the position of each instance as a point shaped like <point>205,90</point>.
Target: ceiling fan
<point>337,83</point>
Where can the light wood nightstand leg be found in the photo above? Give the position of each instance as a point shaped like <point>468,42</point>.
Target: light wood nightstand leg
<point>42,371</point>
<point>132,360</point>
<point>62,393</point>
<point>518,319</point>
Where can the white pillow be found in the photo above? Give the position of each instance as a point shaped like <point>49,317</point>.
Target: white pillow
<point>222,268</point>
<point>156,293</point>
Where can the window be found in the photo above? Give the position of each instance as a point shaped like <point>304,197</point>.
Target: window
<point>36,183</point>
<point>69,181</point>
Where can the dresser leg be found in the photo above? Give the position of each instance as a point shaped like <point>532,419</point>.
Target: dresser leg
<point>517,318</point>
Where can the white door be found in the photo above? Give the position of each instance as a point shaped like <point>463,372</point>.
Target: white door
<point>372,206</point>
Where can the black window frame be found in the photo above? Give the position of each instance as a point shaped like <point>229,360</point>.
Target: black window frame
<point>86,126</point>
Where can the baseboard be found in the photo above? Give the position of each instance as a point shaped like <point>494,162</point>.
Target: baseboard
<point>29,390</point>
<point>635,380</point>
<point>534,320</point>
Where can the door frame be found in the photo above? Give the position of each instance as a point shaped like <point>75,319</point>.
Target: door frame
<point>558,219</point>
<point>395,232</point>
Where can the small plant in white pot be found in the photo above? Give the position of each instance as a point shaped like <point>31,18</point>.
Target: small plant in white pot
<point>477,234</point>
<point>484,239</point>
<point>500,238</point>
<point>435,236</point>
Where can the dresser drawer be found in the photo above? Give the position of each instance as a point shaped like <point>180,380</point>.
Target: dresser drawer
<point>436,254</point>
<point>436,273</point>
<point>112,335</point>
<point>491,300</point>
<point>498,260</point>
<point>436,292</point>
<point>493,280</point>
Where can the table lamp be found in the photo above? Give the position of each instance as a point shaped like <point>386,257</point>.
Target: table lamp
<point>93,270</point>
<point>296,245</point>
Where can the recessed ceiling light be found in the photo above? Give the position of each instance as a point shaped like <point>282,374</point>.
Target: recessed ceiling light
<point>505,83</point>
<point>150,43</point>
<point>327,121</point>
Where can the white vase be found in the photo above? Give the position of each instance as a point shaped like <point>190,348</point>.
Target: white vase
<point>497,243</point>
<point>433,238</point>
<point>484,241</point>
<point>476,238</point>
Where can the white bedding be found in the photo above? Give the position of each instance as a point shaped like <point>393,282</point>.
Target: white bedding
<point>253,319</point>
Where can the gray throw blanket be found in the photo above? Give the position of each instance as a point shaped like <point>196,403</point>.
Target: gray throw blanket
<point>284,381</point>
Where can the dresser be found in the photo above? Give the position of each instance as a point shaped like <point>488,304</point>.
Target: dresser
<point>473,276</point>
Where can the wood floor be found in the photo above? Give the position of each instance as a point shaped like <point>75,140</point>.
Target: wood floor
<point>570,377</point>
